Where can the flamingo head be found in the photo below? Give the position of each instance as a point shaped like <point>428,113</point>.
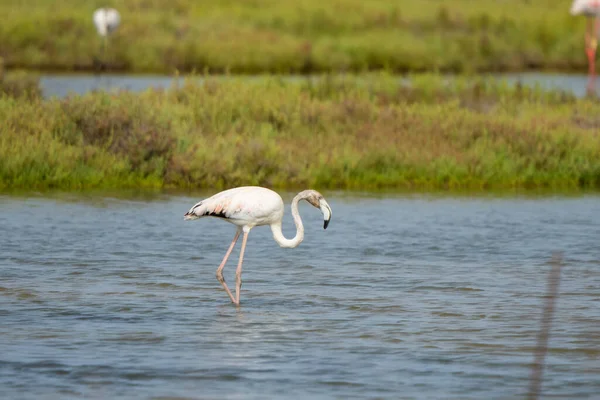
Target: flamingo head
<point>317,200</point>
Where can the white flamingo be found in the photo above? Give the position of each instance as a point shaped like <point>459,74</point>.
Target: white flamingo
<point>251,206</point>
<point>590,9</point>
<point>106,20</point>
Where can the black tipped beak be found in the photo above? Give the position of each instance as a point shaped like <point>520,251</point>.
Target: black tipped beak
<point>326,210</point>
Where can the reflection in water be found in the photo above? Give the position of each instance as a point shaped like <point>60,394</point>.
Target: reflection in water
<point>414,296</point>
<point>62,85</point>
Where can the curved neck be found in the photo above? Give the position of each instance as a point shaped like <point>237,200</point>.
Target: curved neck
<point>278,234</point>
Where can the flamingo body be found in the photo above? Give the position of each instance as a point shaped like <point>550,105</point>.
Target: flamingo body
<point>589,8</point>
<point>246,206</point>
<point>106,20</point>
<point>250,206</point>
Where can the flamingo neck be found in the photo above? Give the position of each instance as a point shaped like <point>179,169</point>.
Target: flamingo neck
<point>278,234</point>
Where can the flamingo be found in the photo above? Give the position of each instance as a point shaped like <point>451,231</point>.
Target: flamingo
<point>590,9</point>
<point>250,206</point>
<point>106,20</point>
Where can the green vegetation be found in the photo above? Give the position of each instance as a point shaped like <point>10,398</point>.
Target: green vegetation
<point>302,36</point>
<point>365,132</point>
<point>20,84</point>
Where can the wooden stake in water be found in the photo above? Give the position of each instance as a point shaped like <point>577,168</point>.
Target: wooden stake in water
<point>544,333</point>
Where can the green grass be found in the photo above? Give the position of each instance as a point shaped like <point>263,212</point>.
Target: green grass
<point>20,84</point>
<point>302,36</point>
<point>354,132</point>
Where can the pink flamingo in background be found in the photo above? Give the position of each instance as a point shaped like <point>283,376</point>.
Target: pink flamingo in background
<point>591,9</point>
<point>251,206</point>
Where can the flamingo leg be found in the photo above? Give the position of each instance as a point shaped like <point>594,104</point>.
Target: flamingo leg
<point>220,269</point>
<point>238,272</point>
<point>591,43</point>
<point>594,43</point>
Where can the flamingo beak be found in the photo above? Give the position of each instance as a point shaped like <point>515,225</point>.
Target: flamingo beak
<point>326,210</point>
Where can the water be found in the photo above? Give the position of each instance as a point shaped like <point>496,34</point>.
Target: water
<point>403,296</point>
<point>62,84</point>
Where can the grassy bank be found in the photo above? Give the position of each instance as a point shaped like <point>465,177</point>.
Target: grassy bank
<point>296,36</point>
<point>336,132</point>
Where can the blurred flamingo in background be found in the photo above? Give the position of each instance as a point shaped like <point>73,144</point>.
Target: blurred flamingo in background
<point>250,206</point>
<point>590,9</point>
<point>107,20</point>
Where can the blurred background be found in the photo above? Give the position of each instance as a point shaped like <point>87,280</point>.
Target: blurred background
<point>305,36</point>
